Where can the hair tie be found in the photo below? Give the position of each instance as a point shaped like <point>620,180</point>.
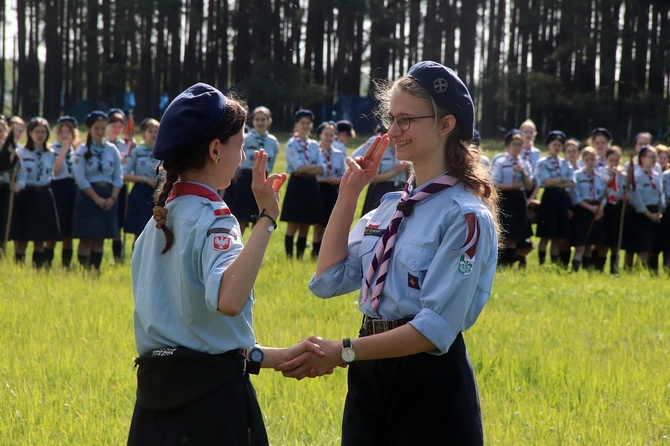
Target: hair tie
<point>160,215</point>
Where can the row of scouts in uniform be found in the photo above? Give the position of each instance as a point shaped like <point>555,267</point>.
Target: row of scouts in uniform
<point>588,201</point>
<point>68,189</point>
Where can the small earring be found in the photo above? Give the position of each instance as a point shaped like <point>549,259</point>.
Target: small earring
<point>216,161</point>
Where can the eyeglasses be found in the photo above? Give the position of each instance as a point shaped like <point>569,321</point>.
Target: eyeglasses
<point>403,120</point>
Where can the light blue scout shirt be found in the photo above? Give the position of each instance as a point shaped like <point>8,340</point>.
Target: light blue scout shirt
<point>648,191</point>
<point>300,153</point>
<point>255,141</point>
<point>589,187</point>
<point>503,170</point>
<point>441,269</point>
<point>66,170</point>
<point>123,147</point>
<point>104,164</point>
<point>665,179</point>
<point>36,167</point>
<point>531,155</point>
<point>141,162</point>
<point>550,167</point>
<point>177,293</point>
<point>333,159</point>
<point>387,163</point>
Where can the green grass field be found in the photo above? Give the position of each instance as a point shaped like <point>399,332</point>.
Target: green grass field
<point>561,359</point>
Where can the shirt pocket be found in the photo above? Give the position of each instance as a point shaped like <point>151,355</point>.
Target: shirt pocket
<point>411,266</point>
<point>367,251</point>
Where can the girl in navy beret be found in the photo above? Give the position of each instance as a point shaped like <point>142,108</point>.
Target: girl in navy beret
<point>115,127</point>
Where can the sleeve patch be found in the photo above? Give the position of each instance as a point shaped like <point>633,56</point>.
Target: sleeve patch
<point>230,232</point>
<point>470,246</point>
<point>221,242</point>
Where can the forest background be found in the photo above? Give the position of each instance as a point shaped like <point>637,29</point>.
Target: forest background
<point>570,65</point>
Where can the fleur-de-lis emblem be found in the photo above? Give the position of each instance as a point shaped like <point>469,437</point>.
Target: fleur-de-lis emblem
<point>440,85</point>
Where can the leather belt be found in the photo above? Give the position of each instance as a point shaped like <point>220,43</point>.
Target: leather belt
<point>376,326</point>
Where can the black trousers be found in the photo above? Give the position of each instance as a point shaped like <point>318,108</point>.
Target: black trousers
<point>421,399</point>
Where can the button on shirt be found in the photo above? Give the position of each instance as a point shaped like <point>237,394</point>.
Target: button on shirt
<point>177,293</point>
<point>104,164</point>
<point>552,167</point>
<point>503,170</point>
<point>255,141</point>
<point>36,167</point>
<point>588,187</point>
<point>442,266</point>
<point>141,162</point>
<point>66,170</point>
<point>301,153</point>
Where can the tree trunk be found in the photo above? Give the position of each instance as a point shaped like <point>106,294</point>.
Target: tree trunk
<point>53,64</point>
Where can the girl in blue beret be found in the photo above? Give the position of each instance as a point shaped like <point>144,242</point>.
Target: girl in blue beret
<point>302,202</point>
<point>424,261</point>
<point>115,127</point>
<point>193,282</point>
<point>63,185</point>
<point>98,173</point>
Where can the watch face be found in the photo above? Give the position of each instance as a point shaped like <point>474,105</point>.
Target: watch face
<point>256,355</point>
<point>348,354</point>
<point>271,228</point>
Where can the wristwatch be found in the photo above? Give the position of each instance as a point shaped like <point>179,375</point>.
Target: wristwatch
<point>255,359</point>
<point>348,353</point>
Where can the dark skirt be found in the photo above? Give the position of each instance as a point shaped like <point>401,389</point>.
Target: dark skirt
<point>200,399</point>
<point>421,399</point>
<point>243,204</point>
<point>642,233</point>
<point>374,195</point>
<point>64,191</point>
<point>664,232</point>
<point>34,216</point>
<point>121,205</point>
<point>612,223</point>
<point>513,215</point>
<point>89,221</point>
<point>328,198</point>
<point>140,208</point>
<point>552,215</point>
<point>302,203</point>
<point>583,232</point>
<point>4,208</point>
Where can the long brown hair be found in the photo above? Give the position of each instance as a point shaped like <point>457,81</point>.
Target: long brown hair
<point>195,158</point>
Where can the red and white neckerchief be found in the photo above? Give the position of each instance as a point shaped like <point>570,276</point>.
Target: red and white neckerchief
<point>592,187</point>
<point>651,178</point>
<point>184,188</point>
<point>305,148</point>
<point>327,154</point>
<point>514,160</point>
<point>612,187</point>
<point>380,262</point>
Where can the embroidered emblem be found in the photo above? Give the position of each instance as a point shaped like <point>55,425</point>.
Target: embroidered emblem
<point>221,242</point>
<point>466,261</point>
<point>413,281</point>
<point>464,266</point>
<point>165,351</point>
<point>440,85</point>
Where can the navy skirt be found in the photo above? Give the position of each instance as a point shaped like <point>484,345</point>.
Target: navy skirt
<point>612,223</point>
<point>140,208</point>
<point>514,215</point>
<point>328,198</point>
<point>34,216</point>
<point>642,232</point>
<point>552,216</point>
<point>302,203</point>
<point>581,222</point>
<point>89,221</point>
<point>64,191</point>
<point>243,204</point>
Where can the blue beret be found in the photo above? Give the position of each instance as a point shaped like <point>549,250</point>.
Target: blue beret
<point>189,120</point>
<point>511,134</point>
<point>448,91</point>
<point>344,126</point>
<point>555,134</point>
<point>116,111</point>
<point>574,141</point>
<point>94,116</point>
<point>71,119</point>
<point>303,113</point>
<point>323,125</point>
<point>601,131</point>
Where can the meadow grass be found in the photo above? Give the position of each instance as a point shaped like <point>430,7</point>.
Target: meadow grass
<point>561,359</point>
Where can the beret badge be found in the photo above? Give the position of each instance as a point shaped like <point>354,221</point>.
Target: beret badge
<point>440,85</point>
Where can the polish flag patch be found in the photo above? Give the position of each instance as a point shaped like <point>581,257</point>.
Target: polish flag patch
<point>221,242</point>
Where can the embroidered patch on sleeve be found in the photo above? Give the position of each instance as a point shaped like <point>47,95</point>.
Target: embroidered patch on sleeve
<point>413,281</point>
<point>221,242</point>
<point>224,210</point>
<point>469,248</point>
<point>231,232</point>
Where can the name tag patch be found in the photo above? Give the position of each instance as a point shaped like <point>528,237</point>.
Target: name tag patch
<point>376,232</point>
<point>231,232</point>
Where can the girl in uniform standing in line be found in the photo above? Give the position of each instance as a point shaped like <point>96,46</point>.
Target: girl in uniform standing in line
<point>302,203</point>
<point>34,217</point>
<point>345,133</point>
<point>554,174</point>
<point>18,127</point>
<point>512,176</point>
<point>601,140</point>
<point>117,122</point>
<point>193,314</point>
<point>63,185</point>
<point>140,168</point>
<point>243,204</point>
<point>425,260</point>
<point>648,201</point>
<point>616,194</point>
<point>9,164</point>
<point>329,181</point>
<point>588,201</point>
<point>98,173</point>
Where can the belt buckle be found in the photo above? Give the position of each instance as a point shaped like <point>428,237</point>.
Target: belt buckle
<point>378,326</point>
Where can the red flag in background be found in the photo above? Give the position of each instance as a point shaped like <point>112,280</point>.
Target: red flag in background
<point>129,132</point>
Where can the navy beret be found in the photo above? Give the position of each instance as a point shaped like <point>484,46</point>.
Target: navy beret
<point>511,134</point>
<point>71,119</point>
<point>116,111</point>
<point>323,125</point>
<point>94,116</point>
<point>189,120</point>
<point>601,131</point>
<point>448,91</point>
<point>303,113</point>
<point>555,134</point>
<point>344,126</point>
<point>574,141</point>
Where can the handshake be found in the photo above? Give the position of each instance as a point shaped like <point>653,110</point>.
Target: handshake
<point>308,358</point>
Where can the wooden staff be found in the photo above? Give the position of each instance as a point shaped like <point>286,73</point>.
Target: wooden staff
<point>630,187</point>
